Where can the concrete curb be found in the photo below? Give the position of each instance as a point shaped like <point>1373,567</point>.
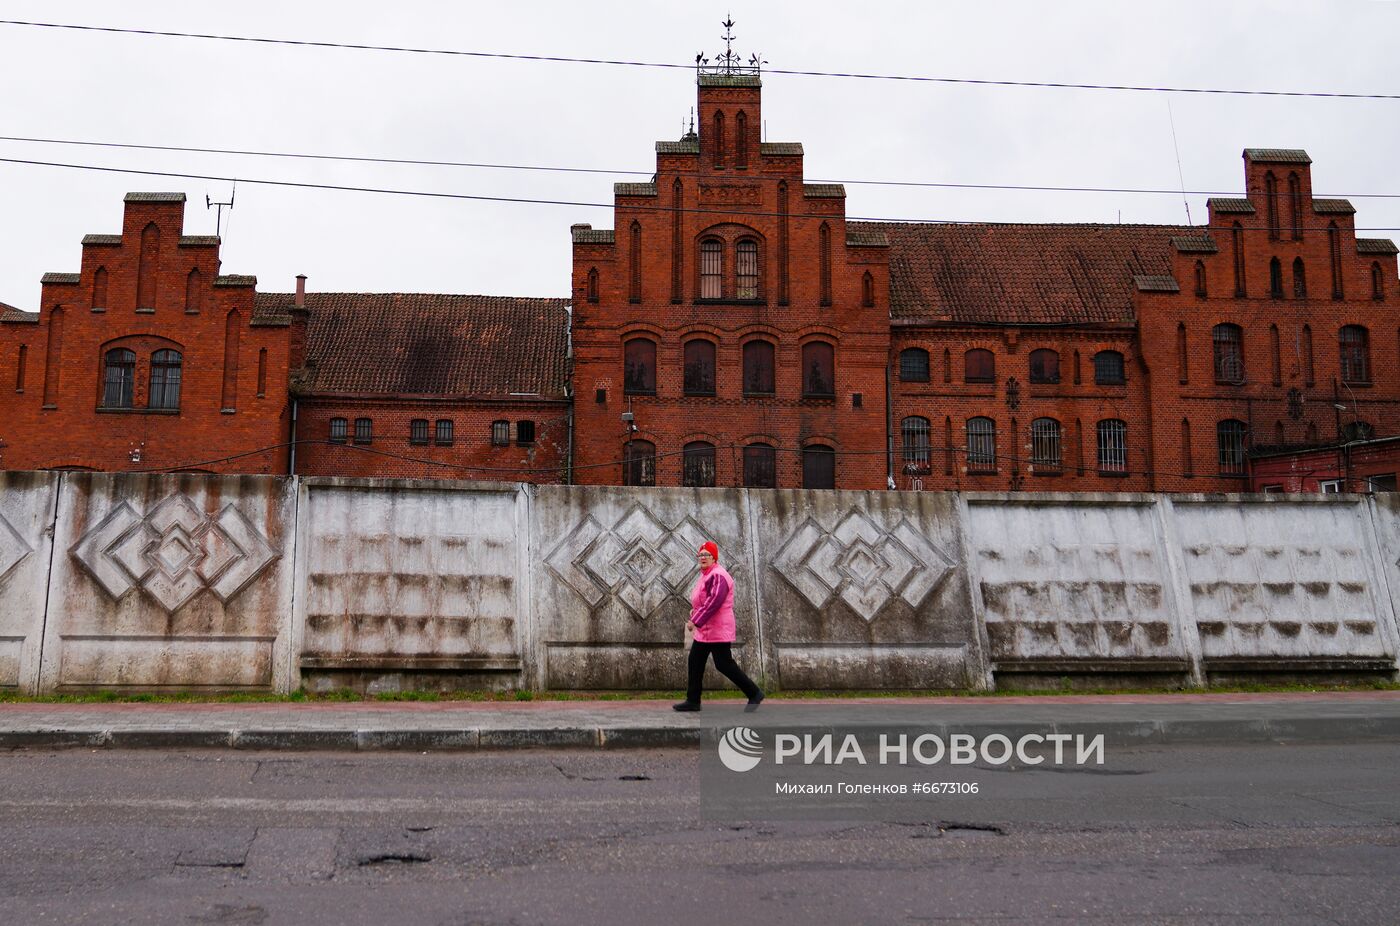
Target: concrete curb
<point>1297,730</point>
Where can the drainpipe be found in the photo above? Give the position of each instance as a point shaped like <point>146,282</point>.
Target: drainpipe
<point>298,302</point>
<point>889,430</point>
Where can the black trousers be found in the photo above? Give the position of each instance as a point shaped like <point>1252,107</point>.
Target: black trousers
<point>724,662</point>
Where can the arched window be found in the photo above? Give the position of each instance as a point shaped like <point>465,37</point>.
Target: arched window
<point>818,467</point>
<point>711,269</point>
<point>1275,279</point>
<point>1300,280</point>
<point>592,284</point>
<point>1228,341</point>
<point>718,146</point>
<point>760,467</point>
<point>914,438</point>
<point>758,368</point>
<point>1201,279</point>
<point>1271,203</point>
<point>677,240</point>
<point>146,268</point>
<point>1045,444</point>
<point>699,374</point>
<point>635,256</point>
<point>1357,430</point>
<point>1356,354</point>
<point>1307,347</point>
<point>118,378</point>
<point>165,379</point>
<point>1377,281</point>
<point>818,369</point>
<point>1108,368</point>
<point>824,262</point>
<point>99,288</point>
<point>1311,434</point>
<point>1045,366</point>
<point>746,269</point>
<point>639,367</point>
<point>1229,437</point>
<point>698,464</point>
<point>1279,439</point>
<point>364,430</point>
<point>1295,205</point>
<point>639,463</point>
<point>867,290</point>
<point>1183,366</point>
<point>338,432</point>
<point>913,365</point>
<point>1334,246</point>
<point>981,445</point>
<point>1113,446</point>
<point>979,366</point>
<point>741,140</point>
<point>1237,246</point>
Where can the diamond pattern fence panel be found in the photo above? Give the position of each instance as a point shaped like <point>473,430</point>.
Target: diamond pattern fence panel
<point>27,503</point>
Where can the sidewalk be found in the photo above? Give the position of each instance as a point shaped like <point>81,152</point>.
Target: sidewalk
<point>463,725</point>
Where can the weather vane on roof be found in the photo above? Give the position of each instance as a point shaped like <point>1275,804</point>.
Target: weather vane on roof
<point>728,63</point>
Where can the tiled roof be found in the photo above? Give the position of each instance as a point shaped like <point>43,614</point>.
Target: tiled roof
<point>823,190</point>
<point>780,147</point>
<point>429,343</point>
<point>188,241</point>
<point>1022,274</point>
<point>1375,246</point>
<point>235,279</point>
<point>9,313</point>
<point>102,239</point>
<point>155,197</point>
<point>1156,283</point>
<point>1195,244</point>
<point>60,278</point>
<point>865,238</point>
<point>1228,204</point>
<point>1278,155</point>
<point>730,80</point>
<point>634,189</point>
<point>587,234</point>
<point>684,146</point>
<point>1333,207</point>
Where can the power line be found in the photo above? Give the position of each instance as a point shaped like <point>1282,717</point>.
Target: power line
<point>562,59</point>
<point>424,162</point>
<point>478,197</point>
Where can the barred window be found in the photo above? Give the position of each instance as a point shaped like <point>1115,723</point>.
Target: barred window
<point>338,431</point>
<point>1108,368</point>
<point>118,378</point>
<point>1300,280</point>
<point>818,467</point>
<point>979,366</point>
<point>758,368</point>
<point>639,463</point>
<point>760,467</point>
<point>1045,443</point>
<point>1229,436</point>
<point>1228,341</point>
<point>698,464</point>
<point>364,430</point>
<point>1356,361</point>
<point>165,379</point>
<point>981,445</point>
<point>524,432</point>
<point>1045,366</point>
<point>818,369</point>
<point>914,436</point>
<point>913,365</point>
<point>443,435</point>
<point>639,366</point>
<point>746,269</point>
<point>711,269</point>
<point>500,433</point>
<point>418,431</point>
<point>1113,446</point>
<point>699,375</point>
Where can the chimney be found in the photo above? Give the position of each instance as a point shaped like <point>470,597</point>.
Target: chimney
<point>300,302</point>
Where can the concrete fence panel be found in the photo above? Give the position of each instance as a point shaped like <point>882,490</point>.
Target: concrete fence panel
<point>865,590</point>
<point>1284,584</point>
<point>402,576</point>
<point>27,502</point>
<point>613,571</point>
<point>170,582</point>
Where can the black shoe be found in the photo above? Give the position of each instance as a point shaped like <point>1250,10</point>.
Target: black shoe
<point>686,706</point>
<point>753,704</point>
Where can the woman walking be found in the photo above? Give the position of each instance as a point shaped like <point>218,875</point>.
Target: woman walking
<point>712,621</point>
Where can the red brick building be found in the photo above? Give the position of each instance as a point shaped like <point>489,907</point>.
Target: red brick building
<point>734,328</point>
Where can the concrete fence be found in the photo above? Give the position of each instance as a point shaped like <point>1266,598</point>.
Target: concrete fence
<point>176,582</point>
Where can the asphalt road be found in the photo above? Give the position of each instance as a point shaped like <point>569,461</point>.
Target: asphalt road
<point>1279,835</point>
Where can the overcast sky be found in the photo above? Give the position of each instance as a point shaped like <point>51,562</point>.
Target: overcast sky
<point>186,92</point>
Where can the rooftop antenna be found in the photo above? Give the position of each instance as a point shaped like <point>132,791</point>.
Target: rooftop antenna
<point>1179,175</point>
<point>219,207</point>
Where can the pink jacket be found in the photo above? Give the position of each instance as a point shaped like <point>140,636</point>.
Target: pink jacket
<point>712,606</point>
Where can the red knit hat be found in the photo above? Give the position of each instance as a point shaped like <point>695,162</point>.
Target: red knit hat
<point>709,547</point>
